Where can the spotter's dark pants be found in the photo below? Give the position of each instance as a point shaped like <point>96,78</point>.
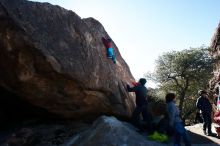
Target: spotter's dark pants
<point>136,118</point>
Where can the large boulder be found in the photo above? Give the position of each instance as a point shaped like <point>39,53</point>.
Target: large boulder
<point>215,52</point>
<point>55,60</point>
<point>108,131</point>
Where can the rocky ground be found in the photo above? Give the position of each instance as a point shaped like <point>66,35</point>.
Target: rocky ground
<point>105,131</point>
<point>41,133</point>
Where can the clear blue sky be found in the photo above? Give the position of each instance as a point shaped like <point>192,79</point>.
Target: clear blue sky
<point>144,29</point>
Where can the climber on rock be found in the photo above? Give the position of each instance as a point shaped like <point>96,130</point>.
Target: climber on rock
<point>110,50</point>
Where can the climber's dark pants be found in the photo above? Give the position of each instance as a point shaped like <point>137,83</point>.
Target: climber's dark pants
<point>207,121</point>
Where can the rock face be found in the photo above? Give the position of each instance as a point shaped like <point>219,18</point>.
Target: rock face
<point>55,60</point>
<point>215,52</point>
<point>108,131</point>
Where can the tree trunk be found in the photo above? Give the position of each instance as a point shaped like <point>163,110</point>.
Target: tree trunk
<point>182,95</point>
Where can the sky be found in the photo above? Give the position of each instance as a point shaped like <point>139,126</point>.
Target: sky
<point>145,29</point>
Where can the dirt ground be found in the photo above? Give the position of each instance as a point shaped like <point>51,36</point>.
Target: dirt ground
<point>198,138</point>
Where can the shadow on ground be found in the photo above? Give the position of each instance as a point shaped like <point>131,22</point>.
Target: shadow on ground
<point>200,139</point>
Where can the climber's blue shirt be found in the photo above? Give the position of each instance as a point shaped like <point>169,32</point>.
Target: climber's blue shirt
<point>110,53</point>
